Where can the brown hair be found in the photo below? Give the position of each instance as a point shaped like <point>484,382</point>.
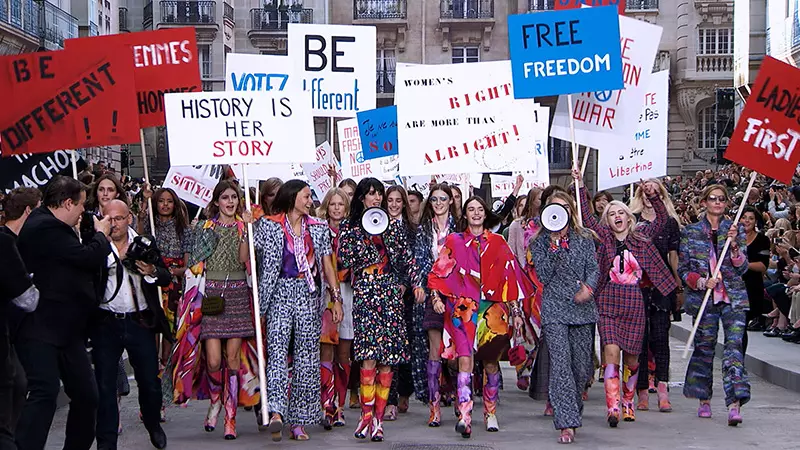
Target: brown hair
<point>268,186</point>
<point>711,188</point>
<point>179,212</point>
<point>212,210</point>
<point>20,199</point>
<point>94,203</point>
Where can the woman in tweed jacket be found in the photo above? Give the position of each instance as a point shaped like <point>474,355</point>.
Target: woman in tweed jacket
<point>627,258</point>
<point>566,265</point>
<point>700,246</point>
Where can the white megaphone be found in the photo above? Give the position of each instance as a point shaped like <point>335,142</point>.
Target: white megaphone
<point>555,217</point>
<point>375,221</point>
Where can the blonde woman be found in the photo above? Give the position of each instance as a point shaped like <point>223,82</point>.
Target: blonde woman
<point>658,308</point>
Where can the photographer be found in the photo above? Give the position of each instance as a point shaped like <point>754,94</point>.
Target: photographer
<point>129,317</point>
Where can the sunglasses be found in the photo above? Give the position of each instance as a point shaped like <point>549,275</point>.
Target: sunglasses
<point>717,198</point>
<point>439,199</point>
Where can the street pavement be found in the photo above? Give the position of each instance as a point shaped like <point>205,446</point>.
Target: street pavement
<point>771,419</point>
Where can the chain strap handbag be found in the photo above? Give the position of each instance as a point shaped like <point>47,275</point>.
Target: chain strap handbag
<point>215,305</point>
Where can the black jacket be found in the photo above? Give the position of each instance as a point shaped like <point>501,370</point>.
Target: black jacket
<point>14,282</point>
<point>64,270</point>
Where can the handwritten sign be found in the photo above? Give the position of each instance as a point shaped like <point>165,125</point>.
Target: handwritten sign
<point>503,185</point>
<point>164,61</point>
<point>378,131</point>
<point>565,52</point>
<point>353,163</point>
<point>646,157</point>
<point>319,172</point>
<point>604,115</point>
<point>193,184</point>
<point>559,5</point>
<point>767,134</point>
<point>35,170</point>
<point>246,72</point>
<point>238,128</point>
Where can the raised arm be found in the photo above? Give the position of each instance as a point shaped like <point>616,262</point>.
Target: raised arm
<point>658,224</point>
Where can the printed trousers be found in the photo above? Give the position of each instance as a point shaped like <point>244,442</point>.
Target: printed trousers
<point>294,315</point>
<point>656,337</point>
<point>570,348</point>
<point>700,373</point>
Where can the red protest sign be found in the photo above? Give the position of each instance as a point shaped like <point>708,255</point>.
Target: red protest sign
<point>164,61</point>
<point>573,4</point>
<point>50,97</point>
<point>768,131</point>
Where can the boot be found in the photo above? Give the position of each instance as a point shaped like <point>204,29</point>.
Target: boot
<point>611,383</point>
<point>367,403</point>
<point>464,399</point>
<point>491,393</point>
<point>663,397</point>
<point>340,379</point>
<point>384,385</point>
<point>231,403</point>
<point>631,376</point>
<point>215,392</point>
<point>328,400</point>
<point>644,400</point>
<point>434,371</point>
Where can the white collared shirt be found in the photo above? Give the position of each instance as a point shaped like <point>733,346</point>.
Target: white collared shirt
<point>124,301</point>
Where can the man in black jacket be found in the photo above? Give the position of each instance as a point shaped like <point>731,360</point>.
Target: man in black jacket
<point>129,318</point>
<point>50,342</point>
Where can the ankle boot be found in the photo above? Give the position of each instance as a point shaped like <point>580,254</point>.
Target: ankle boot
<point>367,401</point>
<point>663,397</point>
<point>215,392</point>
<point>644,400</point>
<point>341,377</point>
<point>491,394</point>
<point>631,376</point>
<point>231,402</point>
<point>611,383</point>
<point>464,392</point>
<point>328,394</point>
<point>382,389</point>
<point>434,371</point>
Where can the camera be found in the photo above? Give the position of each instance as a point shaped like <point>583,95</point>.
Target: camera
<point>143,248</point>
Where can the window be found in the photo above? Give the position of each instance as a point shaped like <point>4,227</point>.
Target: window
<point>205,60</point>
<point>706,137</point>
<point>385,64</point>
<point>715,41</point>
<point>466,54</point>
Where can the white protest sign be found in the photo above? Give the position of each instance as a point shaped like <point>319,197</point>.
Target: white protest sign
<point>503,185</point>
<point>604,115</point>
<point>284,172</point>
<point>353,163</point>
<point>238,128</point>
<point>337,66</point>
<point>318,172</point>
<point>646,157</point>
<point>193,184</point>
<point>420,183</point>
<point>456,179</point>
<point>247,72</point>
<point>454,118</point>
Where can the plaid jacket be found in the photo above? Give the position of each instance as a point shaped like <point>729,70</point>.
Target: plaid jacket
<point>644,251</point>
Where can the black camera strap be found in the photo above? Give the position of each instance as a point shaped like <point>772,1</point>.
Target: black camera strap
<point>120,271</point>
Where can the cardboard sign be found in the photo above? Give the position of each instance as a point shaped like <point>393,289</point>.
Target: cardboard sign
<point>605,115</point>
<point>165,61</point>
<point>565,52</point>
<point>559,5</point>
<point>646,157</point>
<point>245,72</point>
<point>353,163</point>
<point>503,185</point>
<point>337,65</point>
<point>419,183</point>
<point>767,134</point>
<point>318,173</point>
<point>58,100</point>
<point>35,170</point>
<point>378,131</point>
<point>238,128</point>
<point>193,184</point>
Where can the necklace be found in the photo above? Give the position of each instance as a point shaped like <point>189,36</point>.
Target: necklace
<point>223,225</point>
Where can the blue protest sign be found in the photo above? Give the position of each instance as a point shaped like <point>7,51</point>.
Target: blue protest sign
<point>378,130</point>
<point>565,52</point>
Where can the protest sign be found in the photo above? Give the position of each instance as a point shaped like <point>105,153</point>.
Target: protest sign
<point>284,172</point>
<point>378,131</point>
<point>565,52</point>
<point>245,72</point>
<point>193,184</point>
<point>164,61</point>
<point>35,170</point>
<point>353,163</point>
<point>646,157</point>
<point>318,172</point>
<point>337,66</point>
<point>768,130</point>
<point>419,183</point>
<point>238,128</point>
<point>604,115</point>
<point>559,5</point>
<point>58,100</point>
<point>503,185</point>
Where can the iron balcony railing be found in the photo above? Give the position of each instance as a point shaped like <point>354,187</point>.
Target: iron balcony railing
<point>385,81</point>
<point>123,19</point>
<point>21,14</point>
<point>795,30</point>
<point>278,19</point>
<point>227,12</point>
<point>59,25</point>
<point>188,13</point>
<point>379,9</point>
<point>541,5</point>
<point>467,9</point>
<point>147,16</point>
<point>559,154</point>
<point>641,5</point>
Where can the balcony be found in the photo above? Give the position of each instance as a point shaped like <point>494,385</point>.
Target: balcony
<point>268,25</point>
<point>147,16</point>
<point>641,5</point>
<point>227,14</point>
<point>719,66</point>
<point>368,11</point>
<point>560,155</point>
<point>467,9</point>
<point>124,26</point>
<point>59,25</point>
<point>385,82</point>
<point>541,5</point>
<point>21,19</point>
<point>202,15</point>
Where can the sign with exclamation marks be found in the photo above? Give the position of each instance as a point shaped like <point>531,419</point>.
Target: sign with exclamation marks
<point>114,122</point>
<point>86,128</point>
